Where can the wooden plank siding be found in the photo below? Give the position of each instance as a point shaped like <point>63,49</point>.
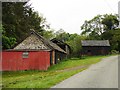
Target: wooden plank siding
<point>63,46</point>
<point>59,56</point>
<point>56,57</point>
<point>13,61</point>
<point>95,50</point>
<point>95,47</point>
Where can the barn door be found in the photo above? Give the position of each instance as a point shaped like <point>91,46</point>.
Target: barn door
<point>102,51</point>
<point>89,52</point>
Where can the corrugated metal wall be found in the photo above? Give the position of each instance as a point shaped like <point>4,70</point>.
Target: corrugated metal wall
<point>13,61</point>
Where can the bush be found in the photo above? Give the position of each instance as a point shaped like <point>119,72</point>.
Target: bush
<point>114,52</point>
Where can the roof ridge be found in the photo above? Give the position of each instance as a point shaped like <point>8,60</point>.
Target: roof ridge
<point>95,42</point>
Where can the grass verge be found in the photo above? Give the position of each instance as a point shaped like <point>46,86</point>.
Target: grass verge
<point>46,79</point>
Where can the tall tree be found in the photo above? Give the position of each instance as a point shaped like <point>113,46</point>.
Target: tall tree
<point>99,24</point>
<point>110,21</point>
<point>93,26</point>
<point>62,35</point>
<point>49,34</point>
<point>18,18</point>
<point>7,42</point>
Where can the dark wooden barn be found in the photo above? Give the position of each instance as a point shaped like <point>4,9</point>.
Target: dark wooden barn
<point>62,45</point>
<point>33,53</point>
<point>95,47</point>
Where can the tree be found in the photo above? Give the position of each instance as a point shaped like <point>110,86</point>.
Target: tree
<point>110,22</point>
<point>103,27</point>
<point>116,40</point>
<point>49,34</point>
<point>74,42</point>
<point>94,25</point>
<point>7,42</point>
<point>18,18</point>
<point>62,35</point>
<point>99,24</point>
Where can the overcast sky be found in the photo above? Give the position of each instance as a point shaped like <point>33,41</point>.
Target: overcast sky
<point>71,14</point>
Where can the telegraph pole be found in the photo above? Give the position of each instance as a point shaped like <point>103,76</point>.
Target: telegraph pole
<point>119,13</point>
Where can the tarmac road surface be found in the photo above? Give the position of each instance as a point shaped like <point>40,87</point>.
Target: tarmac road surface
<point>101,75</point>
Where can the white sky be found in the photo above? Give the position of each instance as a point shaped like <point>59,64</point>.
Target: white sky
<point>71,14</point>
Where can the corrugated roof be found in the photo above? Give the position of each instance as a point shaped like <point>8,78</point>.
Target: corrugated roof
<point>95,43</point>
<point>46,42</point>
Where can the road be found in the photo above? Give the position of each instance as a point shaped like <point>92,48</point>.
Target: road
<point>101,75</point>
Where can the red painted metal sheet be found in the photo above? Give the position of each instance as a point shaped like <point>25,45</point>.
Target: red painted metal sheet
<point>37,60</point>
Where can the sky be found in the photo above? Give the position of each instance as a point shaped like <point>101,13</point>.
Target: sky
<point>69,15</point>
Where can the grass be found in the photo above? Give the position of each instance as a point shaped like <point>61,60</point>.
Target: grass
<point>46,79</point>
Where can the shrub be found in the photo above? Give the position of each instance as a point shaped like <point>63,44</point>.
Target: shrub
<point>114,52</point>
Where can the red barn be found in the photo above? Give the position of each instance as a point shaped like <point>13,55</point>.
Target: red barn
<point>33,53</point>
